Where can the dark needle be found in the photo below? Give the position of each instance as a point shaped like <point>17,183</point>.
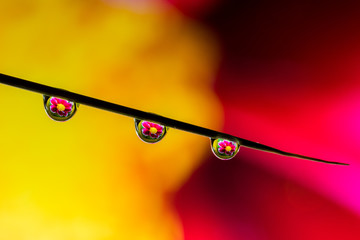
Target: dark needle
<point>138,114</point>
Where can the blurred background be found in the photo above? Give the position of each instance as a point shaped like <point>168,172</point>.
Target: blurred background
<point>285,74</point>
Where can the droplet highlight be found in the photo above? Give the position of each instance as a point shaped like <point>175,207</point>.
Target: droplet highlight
<point>150,132</point>
<point>59,109</point>
<point>224,149</point>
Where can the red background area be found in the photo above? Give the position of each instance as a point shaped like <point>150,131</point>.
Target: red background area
<point>289,78</point>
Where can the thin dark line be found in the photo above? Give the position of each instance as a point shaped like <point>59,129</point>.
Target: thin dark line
<point>138,114</point>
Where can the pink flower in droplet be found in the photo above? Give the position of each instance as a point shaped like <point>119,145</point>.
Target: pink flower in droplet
<point>60,106</point>
<point>226,147</point>
<point>152,130</point>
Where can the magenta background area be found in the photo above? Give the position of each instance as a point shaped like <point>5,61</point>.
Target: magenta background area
<point>289,78</point>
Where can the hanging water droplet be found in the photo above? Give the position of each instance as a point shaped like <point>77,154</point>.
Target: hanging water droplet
<point>224,149</point>
<point>150,132</point>
<point>59,109</point>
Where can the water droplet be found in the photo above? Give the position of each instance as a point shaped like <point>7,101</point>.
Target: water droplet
<point>59,109</point>
<point>150,132</point>
<point>224,149</point>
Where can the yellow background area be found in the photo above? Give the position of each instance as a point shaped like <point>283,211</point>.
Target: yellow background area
<point>91,177</point>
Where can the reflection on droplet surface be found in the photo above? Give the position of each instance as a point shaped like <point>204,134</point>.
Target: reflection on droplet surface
<point>150,132</point>
<point>59,109</point>
<point>224,149</point>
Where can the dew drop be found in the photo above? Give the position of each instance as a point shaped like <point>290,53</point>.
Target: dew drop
<point>59,109</point>
<point>150,132</point>
<point>224,149</point>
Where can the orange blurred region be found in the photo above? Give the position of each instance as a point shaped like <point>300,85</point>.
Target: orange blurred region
<point>91,177</point>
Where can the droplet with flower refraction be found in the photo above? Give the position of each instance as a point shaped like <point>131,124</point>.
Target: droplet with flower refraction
<point>59,109</point>
<point>150,132</point>
<point>224,149</point>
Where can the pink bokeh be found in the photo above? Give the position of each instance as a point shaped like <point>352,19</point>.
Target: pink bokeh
<point>288,78</point>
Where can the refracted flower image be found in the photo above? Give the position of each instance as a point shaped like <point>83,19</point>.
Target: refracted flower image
<point>224,149</point>
<point>60,106</point>
<point>59,109</point>
<point>149,132</point>
<point>152,130</point>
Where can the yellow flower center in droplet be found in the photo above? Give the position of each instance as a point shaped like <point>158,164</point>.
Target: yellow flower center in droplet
<point>153,130</point>
<point>228,148</point>
<point>60,107</point>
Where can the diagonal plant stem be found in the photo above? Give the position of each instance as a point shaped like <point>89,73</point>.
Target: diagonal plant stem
<point>138,114</point>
